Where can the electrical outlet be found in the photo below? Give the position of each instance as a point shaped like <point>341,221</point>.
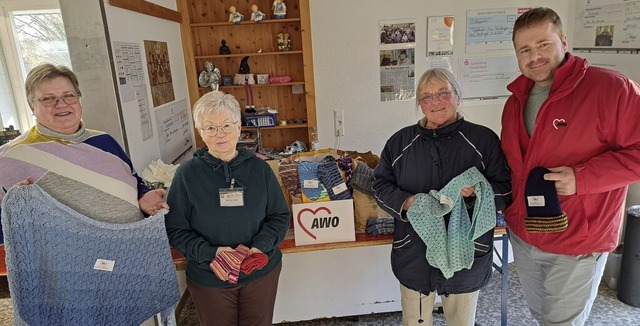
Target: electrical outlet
<point>338,122</point>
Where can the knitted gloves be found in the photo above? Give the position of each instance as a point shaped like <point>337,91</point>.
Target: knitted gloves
<point>228,264</point>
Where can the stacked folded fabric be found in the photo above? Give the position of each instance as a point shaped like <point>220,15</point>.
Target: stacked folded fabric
<point>362,178</point>
<point>332,180</point>
<point>228,264</point>
<point>380,226</point>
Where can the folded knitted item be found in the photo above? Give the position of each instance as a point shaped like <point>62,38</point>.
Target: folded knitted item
<point>380,221</point>
<point>243,250</point>
<point>380,226</point>
<point>331,178</point>
<point>362,178</point>
<point>254,262</point>
<point>288,171</point>
<point>227,264</point>
<point>345,164</point>
<point>308,173</point>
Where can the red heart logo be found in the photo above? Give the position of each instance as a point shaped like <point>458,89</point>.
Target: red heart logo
<point>312,212</point>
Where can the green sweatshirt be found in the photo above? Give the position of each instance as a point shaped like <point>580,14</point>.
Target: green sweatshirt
<point>197,225</point>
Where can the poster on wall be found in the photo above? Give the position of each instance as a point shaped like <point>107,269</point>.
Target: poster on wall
<point>608,26</point>
<point>131,82</point>
<point>440,35</point>
<point>487,77</point>
<point>394,32</point>
<point>397,60</point>
<point>490,30</point>
<point>159,72</point>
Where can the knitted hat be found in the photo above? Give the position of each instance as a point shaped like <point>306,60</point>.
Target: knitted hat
<point>331,178</point>
<point>543,206</point>
<point>362,178</point>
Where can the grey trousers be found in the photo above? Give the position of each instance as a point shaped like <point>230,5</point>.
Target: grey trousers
<point>560,289</point>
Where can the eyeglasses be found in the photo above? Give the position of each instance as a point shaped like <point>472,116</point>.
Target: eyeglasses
<point>428,99</point>
<point>213,130</point>
<point>51,101</point>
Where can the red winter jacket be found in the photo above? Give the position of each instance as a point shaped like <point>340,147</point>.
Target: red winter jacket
<point>590,122</point>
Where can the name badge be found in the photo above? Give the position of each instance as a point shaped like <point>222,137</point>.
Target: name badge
<point>231,197</point>
<point>104,265</point>
<point>339,188</point>
<point>535,201</point>
<point>312,183</point>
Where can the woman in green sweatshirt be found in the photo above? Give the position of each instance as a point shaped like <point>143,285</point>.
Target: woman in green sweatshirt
<point>228,215</point>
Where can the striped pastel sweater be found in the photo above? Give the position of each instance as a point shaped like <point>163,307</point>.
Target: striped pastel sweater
<point>87,171</point>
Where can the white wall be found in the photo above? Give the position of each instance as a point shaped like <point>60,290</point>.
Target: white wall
<point>346,58</point>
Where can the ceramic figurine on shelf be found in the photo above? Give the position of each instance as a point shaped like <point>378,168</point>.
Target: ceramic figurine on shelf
<point>279,9</point>
<point>234,16</point>
<point>257,15</point>
<point>284,43</point>
<point>224,49</point>
<point>210,76</point>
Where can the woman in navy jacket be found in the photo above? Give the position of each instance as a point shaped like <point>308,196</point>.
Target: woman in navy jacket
<point>424,157</point>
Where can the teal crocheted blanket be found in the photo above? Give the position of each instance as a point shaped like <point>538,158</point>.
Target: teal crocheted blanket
<point>67,269</point>
<point>450,247</point>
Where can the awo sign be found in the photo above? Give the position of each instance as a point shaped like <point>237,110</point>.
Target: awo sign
<point>330,221</point>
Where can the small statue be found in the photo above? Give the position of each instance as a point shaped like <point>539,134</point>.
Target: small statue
<point>234,16</point>
<point>257,15</point>
<point>284,43</point>
<point>279,9</point>
<point>224,49</point>
<point>210,76</point>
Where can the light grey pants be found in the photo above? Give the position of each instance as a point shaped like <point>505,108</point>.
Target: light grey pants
<point>560,289</point>
<point>459,309</point>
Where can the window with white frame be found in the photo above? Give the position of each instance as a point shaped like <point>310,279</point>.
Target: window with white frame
<point>30,36</point>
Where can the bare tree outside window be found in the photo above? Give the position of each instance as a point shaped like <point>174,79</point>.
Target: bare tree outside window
<point>41,38</point>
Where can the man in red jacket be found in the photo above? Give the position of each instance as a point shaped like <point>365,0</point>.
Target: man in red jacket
<point>580,124</point>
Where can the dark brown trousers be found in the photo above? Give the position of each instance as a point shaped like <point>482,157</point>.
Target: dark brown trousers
<point>247,305</point>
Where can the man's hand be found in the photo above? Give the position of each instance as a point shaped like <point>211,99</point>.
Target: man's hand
<point>564,178</point>
<point>153,201</point>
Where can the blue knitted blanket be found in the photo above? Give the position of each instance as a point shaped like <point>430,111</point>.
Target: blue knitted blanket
<point>450,247</point>
<point>58,265</point>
